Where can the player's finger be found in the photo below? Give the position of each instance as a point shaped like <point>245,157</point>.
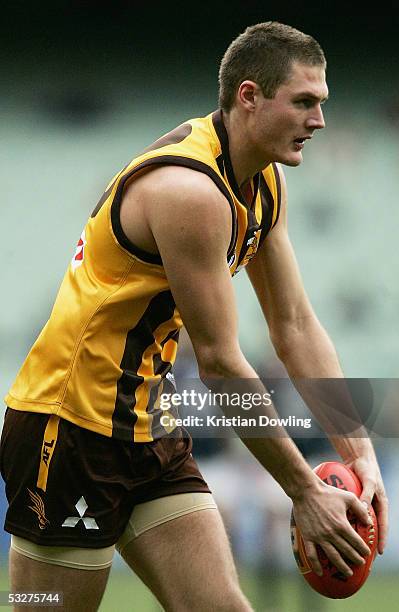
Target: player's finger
<point>336,558</point>
<point>381,508</point>
<point>359,509</point>
<point>350,535</point>
<point>313,558</point>
<point>348,551</point>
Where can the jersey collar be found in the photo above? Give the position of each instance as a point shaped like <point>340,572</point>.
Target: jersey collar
<point>221,132</point>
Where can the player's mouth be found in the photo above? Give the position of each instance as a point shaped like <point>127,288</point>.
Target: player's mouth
<point>299,143</point>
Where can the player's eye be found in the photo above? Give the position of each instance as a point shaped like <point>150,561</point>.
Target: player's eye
<point>305,103</point>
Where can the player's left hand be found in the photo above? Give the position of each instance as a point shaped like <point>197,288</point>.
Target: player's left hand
<point>368,471</point>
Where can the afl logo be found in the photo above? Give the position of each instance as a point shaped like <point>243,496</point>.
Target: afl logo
<point>77,259</point>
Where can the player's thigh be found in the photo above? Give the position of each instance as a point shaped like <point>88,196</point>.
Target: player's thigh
<point>81,589</point>
<point>188,565</point>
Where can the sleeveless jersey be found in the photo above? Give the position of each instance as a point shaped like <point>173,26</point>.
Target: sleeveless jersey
<point>105,355</point>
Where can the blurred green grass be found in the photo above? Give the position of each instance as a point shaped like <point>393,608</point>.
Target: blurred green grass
<point>287,593</point>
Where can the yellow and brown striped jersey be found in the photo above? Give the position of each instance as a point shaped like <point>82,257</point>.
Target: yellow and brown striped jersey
<point>106,352</point>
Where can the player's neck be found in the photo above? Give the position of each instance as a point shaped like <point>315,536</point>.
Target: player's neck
<point>243,156</point>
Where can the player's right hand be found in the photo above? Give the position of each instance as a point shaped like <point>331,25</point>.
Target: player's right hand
<point>320,512</point>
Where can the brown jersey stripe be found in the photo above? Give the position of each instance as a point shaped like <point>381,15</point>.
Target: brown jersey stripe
<point>175,136</point>
<point>255,182</point>
<point>138,339</point>
<point>107,193</point>
<point>161,363</point>
<point>278,185</point>
<point>221,132</point>
<point>173,160</point>
<point>220,163</point>
<point>144,406</point>
<point>267,208</point>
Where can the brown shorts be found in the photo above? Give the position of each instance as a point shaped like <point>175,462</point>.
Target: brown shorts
<point>68,486</point>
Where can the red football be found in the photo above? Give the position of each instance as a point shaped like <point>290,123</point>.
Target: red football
<point>333,583</point>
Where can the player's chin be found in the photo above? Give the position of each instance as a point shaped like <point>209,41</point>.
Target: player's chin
<point>293,160</point>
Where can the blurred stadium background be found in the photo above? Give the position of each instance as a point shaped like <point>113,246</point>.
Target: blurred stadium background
<point>85,86</point>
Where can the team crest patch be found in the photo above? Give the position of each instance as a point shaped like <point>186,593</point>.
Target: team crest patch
<point>252,245</point>
<point>38,509</point>
<point>77,259</point>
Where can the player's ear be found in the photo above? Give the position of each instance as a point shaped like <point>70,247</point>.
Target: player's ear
<point>246,94</point>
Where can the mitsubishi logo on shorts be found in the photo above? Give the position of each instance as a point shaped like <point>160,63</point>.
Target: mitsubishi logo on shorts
<point>88,522</point>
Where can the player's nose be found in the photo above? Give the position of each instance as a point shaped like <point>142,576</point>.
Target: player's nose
<point>316,119</point>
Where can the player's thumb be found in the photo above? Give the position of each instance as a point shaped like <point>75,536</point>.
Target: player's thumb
<point>360,509</point>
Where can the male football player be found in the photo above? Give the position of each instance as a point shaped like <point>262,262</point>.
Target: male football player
<point>87,462</point>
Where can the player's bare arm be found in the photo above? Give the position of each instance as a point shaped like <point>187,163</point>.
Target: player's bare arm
<point>196,267</point>
<point>304,347</point>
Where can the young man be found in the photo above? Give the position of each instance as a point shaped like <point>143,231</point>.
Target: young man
<point>159,250</point>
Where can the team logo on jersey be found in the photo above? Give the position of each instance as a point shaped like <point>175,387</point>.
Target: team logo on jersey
<point>88,522</point>
<point>38,509</point>
<point>252,246</point>
<point>77,259</point>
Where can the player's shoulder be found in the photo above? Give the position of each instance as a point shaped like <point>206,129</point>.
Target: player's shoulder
<point>177,186</point>
<point>181,177</point>
<point>186,206</point>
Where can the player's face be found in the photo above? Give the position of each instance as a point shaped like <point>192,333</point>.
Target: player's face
<point>285,122</point>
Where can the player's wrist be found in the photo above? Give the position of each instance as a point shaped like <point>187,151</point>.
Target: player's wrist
<point>362,453</point>
<point>352,449</point>
<point>303,488</point>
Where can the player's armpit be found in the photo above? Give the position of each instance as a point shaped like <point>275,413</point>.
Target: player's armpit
<point>191,224</point>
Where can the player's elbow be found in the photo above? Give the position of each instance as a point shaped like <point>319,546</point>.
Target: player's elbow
<point>214,362</point>
<point>289,335</point>
<point>282,346</point>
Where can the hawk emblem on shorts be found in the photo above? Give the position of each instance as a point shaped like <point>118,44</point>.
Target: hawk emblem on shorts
<point>77,259</point>
<point>38,508</point>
